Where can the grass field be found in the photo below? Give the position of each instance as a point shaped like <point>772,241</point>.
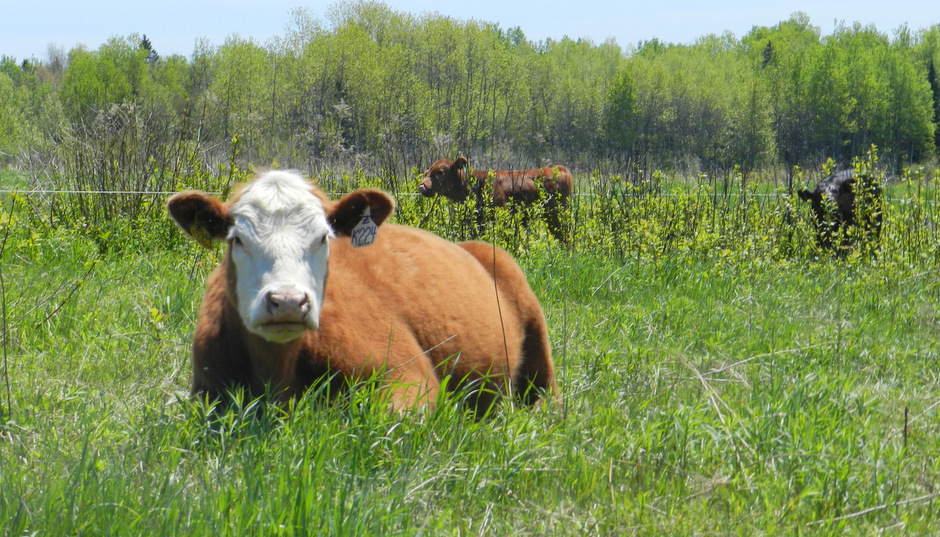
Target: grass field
<point>711,385</point>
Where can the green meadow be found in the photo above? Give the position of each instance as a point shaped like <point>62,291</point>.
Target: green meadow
<point>719,374</point>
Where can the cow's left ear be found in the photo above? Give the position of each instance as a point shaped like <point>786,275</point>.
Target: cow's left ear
<point>349,210</point>
<point>805,195</point>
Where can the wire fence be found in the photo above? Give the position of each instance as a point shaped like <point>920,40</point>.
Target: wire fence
<point>587,195</point>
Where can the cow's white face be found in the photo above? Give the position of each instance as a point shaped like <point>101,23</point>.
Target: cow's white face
<point>279,247</point>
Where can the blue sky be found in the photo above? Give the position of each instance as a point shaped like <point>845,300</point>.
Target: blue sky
<point>27,28</point>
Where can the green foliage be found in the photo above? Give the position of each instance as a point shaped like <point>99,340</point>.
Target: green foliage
<point>11,121</point>
<point>716,377</point>
<point>388,91</point>
<point>620,117</point>
<point>31,116</point>
<point>696,107</point>
<point>835,96</point>
<point>117,73</point>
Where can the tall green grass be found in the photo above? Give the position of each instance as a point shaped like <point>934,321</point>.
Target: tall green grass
<point>720,375</point>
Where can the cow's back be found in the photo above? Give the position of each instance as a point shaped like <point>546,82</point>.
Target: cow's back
<point>412,297</point>
<point>560,178</point>
<point>535,368</point>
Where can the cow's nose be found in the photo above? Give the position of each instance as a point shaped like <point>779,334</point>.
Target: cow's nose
<point>287,303</point>
<point>423,189</point>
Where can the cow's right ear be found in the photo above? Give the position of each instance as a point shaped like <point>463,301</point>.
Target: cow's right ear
<point>460,163</point>
<point>203,217</point>
<point>805,195</point>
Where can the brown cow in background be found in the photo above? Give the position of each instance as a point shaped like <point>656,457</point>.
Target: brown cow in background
<point>452,179</point>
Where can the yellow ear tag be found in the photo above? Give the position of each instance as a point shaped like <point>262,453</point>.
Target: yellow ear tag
<point>201,235</point>
<point>364,232</point>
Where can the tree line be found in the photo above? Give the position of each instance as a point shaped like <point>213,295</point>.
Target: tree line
<point>389,91</point>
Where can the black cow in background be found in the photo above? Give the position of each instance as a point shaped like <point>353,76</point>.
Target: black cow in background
<point>845,200</point>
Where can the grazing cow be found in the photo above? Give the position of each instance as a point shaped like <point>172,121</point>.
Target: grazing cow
<point>406,305</point>
<point>845,199</point>
<point>454,181</point>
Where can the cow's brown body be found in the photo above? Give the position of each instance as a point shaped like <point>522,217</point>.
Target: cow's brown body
<point>456,182</point>
<point>418,311</point>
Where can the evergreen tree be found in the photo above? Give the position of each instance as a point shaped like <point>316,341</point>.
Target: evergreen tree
<point>935,92</point>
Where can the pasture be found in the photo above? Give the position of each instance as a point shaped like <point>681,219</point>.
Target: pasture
<point>720,375</point>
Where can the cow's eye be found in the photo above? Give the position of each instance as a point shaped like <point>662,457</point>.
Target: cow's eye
<point>237,241</point>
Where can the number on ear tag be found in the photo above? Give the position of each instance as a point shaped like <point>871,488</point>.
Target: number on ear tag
<point>364,232</point>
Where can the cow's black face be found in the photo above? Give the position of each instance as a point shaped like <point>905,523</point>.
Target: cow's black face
<point>834,204</point>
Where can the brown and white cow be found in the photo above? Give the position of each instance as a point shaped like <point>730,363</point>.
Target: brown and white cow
<point>456,182</point>
<point>295,302</point>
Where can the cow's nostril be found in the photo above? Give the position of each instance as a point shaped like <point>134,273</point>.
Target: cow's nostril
<point>286,302</point>
<point>272,303</point>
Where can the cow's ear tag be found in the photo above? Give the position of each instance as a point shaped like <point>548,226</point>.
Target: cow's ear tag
<point>201,235</point>
<point>365,231</point>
